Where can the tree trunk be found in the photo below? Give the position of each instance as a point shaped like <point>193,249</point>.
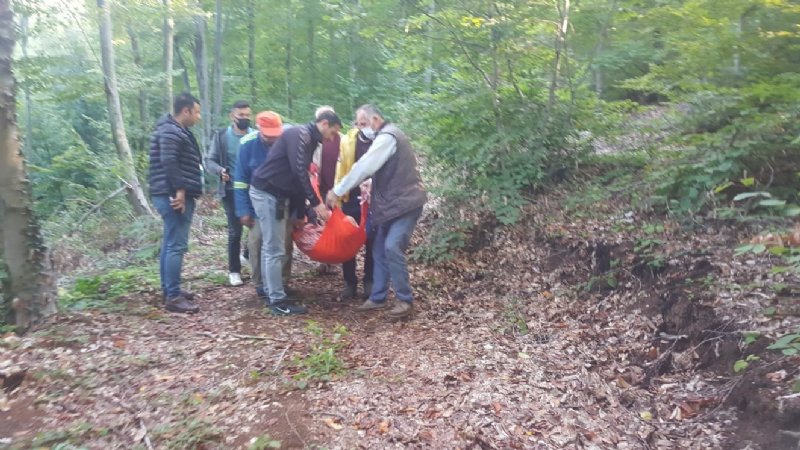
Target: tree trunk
<point>429,68</point>
<point>201,72</point>
<point>187,84</point>
<point>135,193</point>
<point>169,47</point>
<point>311,33</point>
<point>24,31</point>
<point>494,79</point>
<point>142,95</point>
<point>216,107</point>
<point>30,287</point>
<point>351,66</point>
<point>560,45</point>
<point>251,50</point>
<point>289,74</point>
<point>201,68</point>
<point>597,71</point>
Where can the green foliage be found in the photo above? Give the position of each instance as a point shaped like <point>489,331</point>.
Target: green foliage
<point>514,318</point>
<point>187,434</point>
<point>648,246</point>
<point>789,344</point>
<point>323,362</point>
<point>491,159</point>
<point>789,257</point>
<point>442,242</point>
<point>217,278</point>
<point>263,443</point>
<point>743,364</point>
<point>751,336</point>
<point>65,439</point>
<point>100,291</point>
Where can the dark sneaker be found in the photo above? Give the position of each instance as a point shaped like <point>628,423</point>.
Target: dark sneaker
<point>287,309</point>
<point>370,305</point>
<point>181,304</point>
<point>187,294</point>
<point>348,293</point>
<point>261,293</point>
<point>367,289</point>
<point>401,309</point>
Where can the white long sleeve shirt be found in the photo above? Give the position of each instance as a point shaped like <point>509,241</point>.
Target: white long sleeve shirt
<point>382,148</point>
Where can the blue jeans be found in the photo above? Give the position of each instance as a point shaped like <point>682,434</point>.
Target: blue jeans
<point>175,242</point>
<point>273,242</point>
<point>389,253</point>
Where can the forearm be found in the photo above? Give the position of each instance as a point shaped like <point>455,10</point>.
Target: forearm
<point>212,159</point>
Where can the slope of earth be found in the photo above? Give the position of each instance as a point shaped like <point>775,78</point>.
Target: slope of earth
<point>557,333</point>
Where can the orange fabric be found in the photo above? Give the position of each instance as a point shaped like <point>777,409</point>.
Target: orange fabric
<point>335,242</point>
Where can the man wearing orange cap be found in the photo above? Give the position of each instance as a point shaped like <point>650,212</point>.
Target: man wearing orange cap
<point>252,152</point>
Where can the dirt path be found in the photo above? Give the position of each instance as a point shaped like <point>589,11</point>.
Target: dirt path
<point>495,357</point>
<point>451,378</point>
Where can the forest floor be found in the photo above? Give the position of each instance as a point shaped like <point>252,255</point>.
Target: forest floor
<point>585,326</point>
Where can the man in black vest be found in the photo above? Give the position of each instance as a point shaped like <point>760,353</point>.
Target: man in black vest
<point>397,199</point>
<point>279,189</point>
<point>175,183</point>
<point>220,161</point>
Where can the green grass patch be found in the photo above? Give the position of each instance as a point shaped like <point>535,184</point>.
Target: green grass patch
<point>101,291</point>
<point>323,363</point>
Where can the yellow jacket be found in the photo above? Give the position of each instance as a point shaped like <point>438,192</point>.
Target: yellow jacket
<point>347,157</point>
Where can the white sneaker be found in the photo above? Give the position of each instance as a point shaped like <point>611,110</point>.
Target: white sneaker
<point>244,261</point>
<point>235,279</point>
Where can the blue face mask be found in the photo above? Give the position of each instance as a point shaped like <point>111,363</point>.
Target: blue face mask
<point>368,133</point>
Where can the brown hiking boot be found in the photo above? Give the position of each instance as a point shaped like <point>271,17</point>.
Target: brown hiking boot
<point>181,304</point>
<point>401,309</point>
<point>369,305</point>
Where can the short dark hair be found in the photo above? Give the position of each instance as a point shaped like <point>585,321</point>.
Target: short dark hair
<point>332,118</point>
<point>184,100</point>
<point>240,104</point>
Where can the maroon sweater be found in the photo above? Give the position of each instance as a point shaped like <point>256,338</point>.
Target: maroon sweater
<point>327,173</point>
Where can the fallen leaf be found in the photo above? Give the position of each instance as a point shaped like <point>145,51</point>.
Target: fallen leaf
<point>427,435</point>
<point>383,427</point>
<point>330,422</point>
<point>777,376</point>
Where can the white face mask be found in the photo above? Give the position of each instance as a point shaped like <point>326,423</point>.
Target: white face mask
<point>368,133</point>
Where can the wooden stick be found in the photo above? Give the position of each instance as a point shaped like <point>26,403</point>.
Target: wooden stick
<point>83,218</point>
<point>280,358</point>
<point>291,425</point>
<point>249,336</point>
<point>146,438</point>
